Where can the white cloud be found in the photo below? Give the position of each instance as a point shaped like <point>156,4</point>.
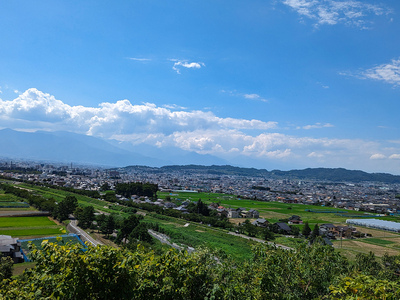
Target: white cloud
<point>199,131</point>
<point>331,12</point>
<point>185,64</point>
<point>254,97</point>
<point>315,126</point>
<point>377,156</point>
<point>389,73</point>
<point>315,154</point>
<point>174,106</point>
<point>139,59</point>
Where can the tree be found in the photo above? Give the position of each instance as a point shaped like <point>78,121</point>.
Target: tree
<point>306,230</point>
<point>314,233</point>
<point>108,226</point>
<point>127,226</point>
<point>105,187</point>
<point>6,267</point>
<point>140,233</point>
<point>85,216</point>
<point>66,207</point>
<point>267,234</point>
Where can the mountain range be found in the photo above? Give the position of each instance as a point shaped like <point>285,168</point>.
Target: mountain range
<point>67,147</point>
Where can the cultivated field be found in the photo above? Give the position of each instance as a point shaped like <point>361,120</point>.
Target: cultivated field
<point>28,227</point>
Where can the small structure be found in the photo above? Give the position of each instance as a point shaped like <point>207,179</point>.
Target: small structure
<point>232,213</point>
<point>295,220</point>
<point>260,222</point>
<point>254,213</point>
<point>10,247</point>
<point>283,227</point>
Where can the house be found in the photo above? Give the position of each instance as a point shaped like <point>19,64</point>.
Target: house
<point>260,222</point>
<point>283,227</point>
<point>295,220</point>
<point>246,214</point>
<point>232,213</point>
<point>11,247</point>
<point>254,213</point>
<point>170,205</point>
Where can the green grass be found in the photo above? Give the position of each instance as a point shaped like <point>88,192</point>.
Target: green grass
<point>25,222</point>
<point>196,235</point>
<point>272,211</point>
<point>31,232</point>
<point>28,226</point>
<point>375,241</point>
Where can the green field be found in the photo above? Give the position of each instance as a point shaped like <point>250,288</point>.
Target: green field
<point>196,235</point>
<point>379,242</point>
<point>25,222</point>
<point>28,226</point>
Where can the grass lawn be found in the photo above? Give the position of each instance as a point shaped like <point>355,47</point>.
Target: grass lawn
<point>25,222</point>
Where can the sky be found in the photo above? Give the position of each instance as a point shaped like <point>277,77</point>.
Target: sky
<point>286,83</point>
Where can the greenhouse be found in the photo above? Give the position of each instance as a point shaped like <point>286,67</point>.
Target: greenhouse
<point>375,223</point>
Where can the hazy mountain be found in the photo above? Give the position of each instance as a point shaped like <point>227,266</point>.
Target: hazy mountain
<point>68,147</point>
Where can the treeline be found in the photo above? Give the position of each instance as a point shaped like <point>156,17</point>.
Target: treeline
<point>308,272</point>
<point>137,188</point>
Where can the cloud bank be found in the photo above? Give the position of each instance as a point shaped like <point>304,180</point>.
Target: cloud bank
<point>197,131</point>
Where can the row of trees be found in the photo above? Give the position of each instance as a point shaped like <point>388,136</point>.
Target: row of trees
<point>308,272</point>
<point>137,188</point>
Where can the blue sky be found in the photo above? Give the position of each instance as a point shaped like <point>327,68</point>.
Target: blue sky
<point>286,83</point>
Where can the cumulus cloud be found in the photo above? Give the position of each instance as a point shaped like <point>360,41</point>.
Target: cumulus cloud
<point>377,156</point>
<point>315,126</point>
<point>389,73</point>
<point>185,64</point>
<point>198,131</point>
<point>331,12</point>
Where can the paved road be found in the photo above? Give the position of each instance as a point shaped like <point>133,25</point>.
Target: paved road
<point>84,236</point>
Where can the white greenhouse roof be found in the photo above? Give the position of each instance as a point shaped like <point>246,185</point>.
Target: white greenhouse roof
<point>375,223</point>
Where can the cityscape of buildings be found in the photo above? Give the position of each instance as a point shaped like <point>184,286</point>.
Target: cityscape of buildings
<point>374,197</point>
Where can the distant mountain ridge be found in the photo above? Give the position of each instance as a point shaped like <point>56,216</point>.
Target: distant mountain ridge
<point>68,147</point>
<point>324,174</point>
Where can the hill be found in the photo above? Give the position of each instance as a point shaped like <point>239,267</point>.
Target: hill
<point>323,174</point>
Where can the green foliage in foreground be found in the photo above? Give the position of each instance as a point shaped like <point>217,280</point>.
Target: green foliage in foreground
<point>310,272</point>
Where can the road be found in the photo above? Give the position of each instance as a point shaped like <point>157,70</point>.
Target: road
<point>84,236</point>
